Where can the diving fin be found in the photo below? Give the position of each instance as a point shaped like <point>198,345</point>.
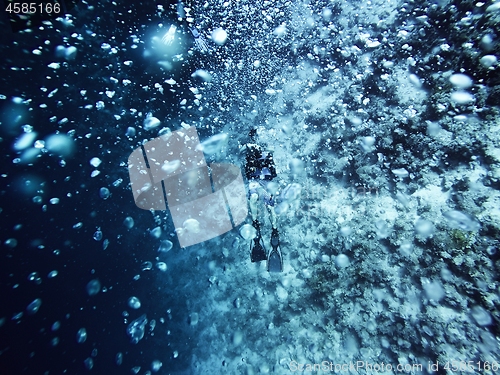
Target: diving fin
<point>274,262</point>
<point>258,252</point>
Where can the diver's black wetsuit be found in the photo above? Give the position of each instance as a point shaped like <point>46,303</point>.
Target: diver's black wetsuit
<point>259,165</point>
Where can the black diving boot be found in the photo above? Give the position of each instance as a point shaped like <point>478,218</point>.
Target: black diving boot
<point>258,252</point>
<point>274,262</point>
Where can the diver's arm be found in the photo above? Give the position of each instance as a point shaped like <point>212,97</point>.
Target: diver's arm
<point>246,146</point>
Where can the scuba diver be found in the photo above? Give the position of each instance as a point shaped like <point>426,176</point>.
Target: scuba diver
<point>259,171</point>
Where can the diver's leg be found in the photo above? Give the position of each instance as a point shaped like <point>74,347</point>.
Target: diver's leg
<point>258,251</point>
<point>274,260</point>
<point>272,215</point>
<point>253,205</point>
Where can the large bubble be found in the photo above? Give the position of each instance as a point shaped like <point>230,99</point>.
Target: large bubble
<point>60,144</point>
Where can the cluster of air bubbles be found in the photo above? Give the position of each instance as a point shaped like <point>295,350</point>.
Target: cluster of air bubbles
<point>135,329</point>
<point>57,144</point>
<point>134,303</point>
<point>461,83</point>
<point>35,277</point>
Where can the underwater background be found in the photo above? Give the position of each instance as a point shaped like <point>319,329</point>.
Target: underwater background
<point>383,120</point>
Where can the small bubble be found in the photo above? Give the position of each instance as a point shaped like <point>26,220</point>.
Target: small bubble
<point>93,287</point>
<point>128,222</point>
<point>34,306</point>
<point>81,335</point>
<point>98,235</point>
<point>11,242</point>
<point>95,162</point>
<point>104,193</point>
<point>52,274</point>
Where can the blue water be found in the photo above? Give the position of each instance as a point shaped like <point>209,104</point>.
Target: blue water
<point>378,143</point>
